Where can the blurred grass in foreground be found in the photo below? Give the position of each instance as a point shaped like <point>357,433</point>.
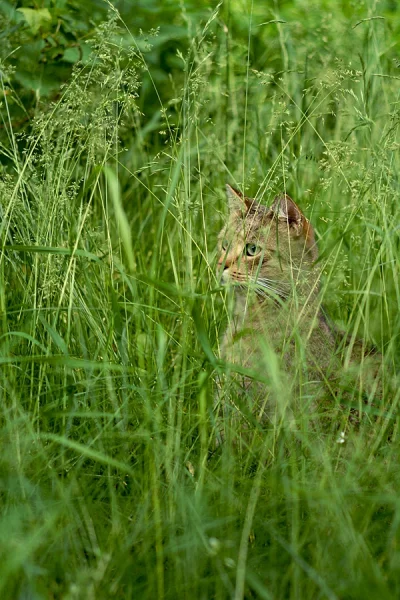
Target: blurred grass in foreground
<point>110,313</point>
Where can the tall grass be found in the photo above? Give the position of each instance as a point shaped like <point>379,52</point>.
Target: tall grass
<point>112,482</point>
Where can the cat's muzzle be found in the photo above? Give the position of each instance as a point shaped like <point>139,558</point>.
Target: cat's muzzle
<point>224,277</point>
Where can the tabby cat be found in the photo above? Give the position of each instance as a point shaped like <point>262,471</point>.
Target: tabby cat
<point>268,257</point>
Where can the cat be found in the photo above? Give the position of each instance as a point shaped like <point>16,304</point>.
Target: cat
<point>278,330</point>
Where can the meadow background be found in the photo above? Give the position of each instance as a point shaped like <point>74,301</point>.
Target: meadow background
<point>120,125</point>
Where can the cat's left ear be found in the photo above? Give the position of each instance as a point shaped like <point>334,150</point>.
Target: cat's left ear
<point>237,201</point>
<point>287,210</point>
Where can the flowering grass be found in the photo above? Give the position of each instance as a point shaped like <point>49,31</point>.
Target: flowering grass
<point>110,310</point>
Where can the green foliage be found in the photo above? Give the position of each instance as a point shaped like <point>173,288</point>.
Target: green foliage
<point>40,45</point>
<point>115,155</point>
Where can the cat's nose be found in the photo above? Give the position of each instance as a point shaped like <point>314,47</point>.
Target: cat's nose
<point>223,263</point>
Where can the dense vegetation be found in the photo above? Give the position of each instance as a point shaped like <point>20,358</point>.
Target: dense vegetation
<point>120,125</point>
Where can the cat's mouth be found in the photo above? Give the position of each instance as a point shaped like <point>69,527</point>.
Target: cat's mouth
<point>263,287</point>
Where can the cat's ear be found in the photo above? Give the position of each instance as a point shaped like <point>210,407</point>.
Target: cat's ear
<point>287,210</point>
<point>237,202</point>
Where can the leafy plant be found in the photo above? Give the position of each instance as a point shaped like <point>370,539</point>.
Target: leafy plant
<point>111,198</point>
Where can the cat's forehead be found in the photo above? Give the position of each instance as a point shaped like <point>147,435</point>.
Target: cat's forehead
<point>254,221</point>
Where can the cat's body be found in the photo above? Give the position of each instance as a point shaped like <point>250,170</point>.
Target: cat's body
<point>279,326</point>
<point>277,329</point>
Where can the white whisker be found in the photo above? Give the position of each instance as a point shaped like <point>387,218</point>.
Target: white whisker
<point>263,286</point>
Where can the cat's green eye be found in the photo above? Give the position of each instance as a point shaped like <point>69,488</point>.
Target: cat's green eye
<point>225,245</point>
<point>251,249</point>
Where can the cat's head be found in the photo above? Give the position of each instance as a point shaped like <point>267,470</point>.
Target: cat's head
<point>270,249</point>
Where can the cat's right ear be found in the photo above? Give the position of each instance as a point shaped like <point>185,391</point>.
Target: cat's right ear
<point>237,202</point>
